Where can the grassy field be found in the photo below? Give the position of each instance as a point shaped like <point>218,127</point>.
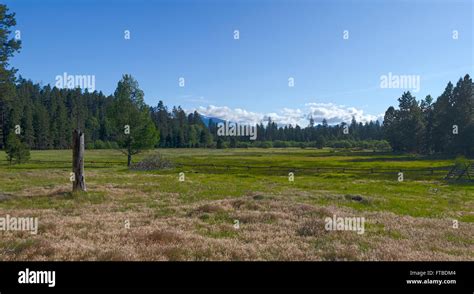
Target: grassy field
<point>151,215</point>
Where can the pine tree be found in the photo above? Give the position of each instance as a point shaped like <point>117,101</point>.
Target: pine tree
<point>9,46</point>
<point>133,128</point>
<point>63,136</point>
<point>409,123</point>
<point>426,106</point>
<point>17,151</point>
<point>443,120</point>
<point>28,131</point>
<point>462,115</point>
<point>41,124</point>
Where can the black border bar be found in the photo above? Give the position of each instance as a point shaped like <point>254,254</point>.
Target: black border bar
<point>241,274</point>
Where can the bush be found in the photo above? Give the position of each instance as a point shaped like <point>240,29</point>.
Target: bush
<point>220,144</point>
<point>379,145</point>
<point>383,146</point>
<point>341,144</point>
<point>320,143</point>
<point>211,145</point>
<point>263,144</point>
<point>461,162</point>
<point>112,145</point>
<point>294,144</point>
<point>99,144</point>
<point>152,162</point>
<point>243,144</point>
<point>225,144</point>
<point>17,151</point>
<point>281,144</point>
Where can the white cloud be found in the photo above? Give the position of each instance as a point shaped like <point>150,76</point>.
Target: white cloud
<point>333,113</point>
<point>236,115</point>
<point>338,113</point>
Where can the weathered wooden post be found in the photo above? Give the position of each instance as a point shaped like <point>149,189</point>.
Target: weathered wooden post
<point>78,161</point>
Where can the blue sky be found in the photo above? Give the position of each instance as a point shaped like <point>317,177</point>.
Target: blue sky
<point>247,79</point>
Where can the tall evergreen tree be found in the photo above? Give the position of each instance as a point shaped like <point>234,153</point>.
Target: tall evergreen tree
<point>443,120</point>
<point>463,115</point>
<point>9,46</point>
<point>133,128</point>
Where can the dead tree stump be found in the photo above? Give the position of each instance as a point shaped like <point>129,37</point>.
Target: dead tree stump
<point>79,183</point>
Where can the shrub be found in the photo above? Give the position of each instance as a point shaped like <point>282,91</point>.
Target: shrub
<point>294,144</point>
<point>225,144</point>
<point>383,145</point>
<point>220,144</point>
<point>281,144</point>
<point>341,144</point>
<point>17,151</point>
<point>210,145</point>
<point>263,144</point>
<point>319,143</point>
<point>113,145</point>
<point>461,162</point>
<point>152,162</point>
<point>243,144</point>
<point>99,144</point>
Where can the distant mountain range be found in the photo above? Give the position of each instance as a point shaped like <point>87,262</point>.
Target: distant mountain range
<point>206,119</point>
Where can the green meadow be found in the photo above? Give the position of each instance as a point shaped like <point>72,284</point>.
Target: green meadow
<point>194,219</point>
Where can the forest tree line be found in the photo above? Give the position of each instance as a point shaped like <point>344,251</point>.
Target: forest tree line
<point>47,116</point>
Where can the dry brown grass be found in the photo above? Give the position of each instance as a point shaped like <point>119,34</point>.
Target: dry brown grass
<point>272,227</point>
<point>45,191</point>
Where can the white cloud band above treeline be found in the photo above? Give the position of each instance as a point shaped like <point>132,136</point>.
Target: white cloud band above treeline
<point>333,113</point>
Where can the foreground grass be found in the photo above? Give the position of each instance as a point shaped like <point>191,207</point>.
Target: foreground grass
<point>133,215</point>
